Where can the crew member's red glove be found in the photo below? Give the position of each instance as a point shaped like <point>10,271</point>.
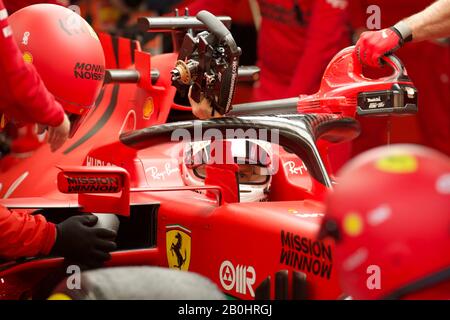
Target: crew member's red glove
<point>373,45</point>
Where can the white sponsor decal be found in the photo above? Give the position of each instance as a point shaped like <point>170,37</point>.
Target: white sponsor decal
<point>241,278</point>
<point>156,174</point>
<point>25,38</point>
<point>3,14</point>
<point>293,169</point>
<point>376,105</point>
<point>233,80</point>
<point>7,32</point>
<point>377,99</point>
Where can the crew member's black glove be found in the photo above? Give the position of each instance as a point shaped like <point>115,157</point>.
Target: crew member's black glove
<point>81,243</point>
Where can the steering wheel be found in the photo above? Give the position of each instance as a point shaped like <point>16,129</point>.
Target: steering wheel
<point>209,63</point>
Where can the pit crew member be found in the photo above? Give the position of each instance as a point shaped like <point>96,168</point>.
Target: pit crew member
<point>427,62</point>
<point>431,23</point>
<point>389,215</point>
<point>24,97</point>
<point>23,94</point>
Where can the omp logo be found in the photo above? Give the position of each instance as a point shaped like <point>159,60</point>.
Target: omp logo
<point>241,278</point>
<point>88,71</point>
<point>93,184</point>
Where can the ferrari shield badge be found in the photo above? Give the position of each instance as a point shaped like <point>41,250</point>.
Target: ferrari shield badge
<point>178,247</point>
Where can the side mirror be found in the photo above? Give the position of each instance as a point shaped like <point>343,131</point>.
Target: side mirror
<point>99,189</point>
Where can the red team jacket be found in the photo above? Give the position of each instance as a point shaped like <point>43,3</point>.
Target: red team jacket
<point>24,97</point>
<point>297,40</point>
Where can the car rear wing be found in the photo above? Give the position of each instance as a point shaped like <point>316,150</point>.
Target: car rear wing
<point>296,132</point>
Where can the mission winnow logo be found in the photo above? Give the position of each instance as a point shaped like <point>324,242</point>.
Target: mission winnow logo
<point>306,255</point>
<point>93,184</point>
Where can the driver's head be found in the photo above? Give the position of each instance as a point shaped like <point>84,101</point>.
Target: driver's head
<point>65,51</point>
<point>253,157</point>
<point>390,216</point>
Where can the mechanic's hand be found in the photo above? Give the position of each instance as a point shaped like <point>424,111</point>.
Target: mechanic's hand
<point>58,135</point>
<point>79,241</point>
<point>373,45</point>
<point>202,110</point>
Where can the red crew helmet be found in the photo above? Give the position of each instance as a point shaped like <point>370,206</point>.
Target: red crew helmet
<point>66,53</point>
<point>390,216</point>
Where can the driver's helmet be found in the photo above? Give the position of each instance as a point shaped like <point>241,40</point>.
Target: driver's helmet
<point>390,216</point>
<point>254,158</point>
<point>66,53</point>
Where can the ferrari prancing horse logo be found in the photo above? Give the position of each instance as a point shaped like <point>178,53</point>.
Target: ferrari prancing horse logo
<point>178,247</point>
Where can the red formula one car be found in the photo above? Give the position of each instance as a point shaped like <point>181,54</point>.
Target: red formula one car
<point>149,185</point>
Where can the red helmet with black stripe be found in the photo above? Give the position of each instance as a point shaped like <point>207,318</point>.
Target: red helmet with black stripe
<point>65,51</point>
<point>390,216</point>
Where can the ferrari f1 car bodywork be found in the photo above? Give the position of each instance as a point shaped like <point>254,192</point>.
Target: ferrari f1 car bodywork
<point>254,250</point>
<point>250,250</point>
